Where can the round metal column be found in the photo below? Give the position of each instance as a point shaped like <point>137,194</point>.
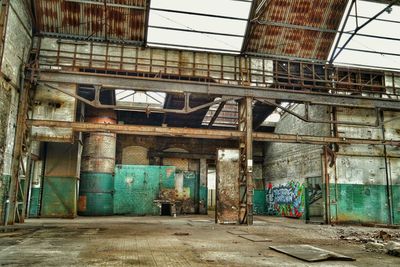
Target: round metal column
<point>98,162</point>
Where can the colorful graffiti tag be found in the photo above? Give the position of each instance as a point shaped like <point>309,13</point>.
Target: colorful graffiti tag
<point>285,200</point>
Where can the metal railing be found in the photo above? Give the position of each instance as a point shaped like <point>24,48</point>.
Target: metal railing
<point>215,68</point>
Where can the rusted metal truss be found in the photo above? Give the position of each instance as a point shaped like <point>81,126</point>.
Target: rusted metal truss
<point>96,103</point>
<point>307,116</point>
<point>209,157</point>
<point>246,161</point>
<point>172,71</point>
<point>107,81</point>
<point>256,71</point>
<point>4,8</point>
<point>21,163</point>
<point>205,133</point>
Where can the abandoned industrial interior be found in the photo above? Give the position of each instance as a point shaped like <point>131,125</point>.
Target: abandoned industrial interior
<point>200,133</point>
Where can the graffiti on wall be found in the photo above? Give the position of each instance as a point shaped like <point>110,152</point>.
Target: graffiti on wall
<point>285,200</point>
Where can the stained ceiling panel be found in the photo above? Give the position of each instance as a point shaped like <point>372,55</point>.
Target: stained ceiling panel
<point>294,28</point>
<point>117,20</point>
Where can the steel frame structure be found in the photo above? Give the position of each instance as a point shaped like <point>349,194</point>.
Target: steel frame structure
<point>246,186</point>
<point>288,81</point>
<point>288,73</point>
<point>147,130</point>
<point>118,82</point>
<point>306,82</point>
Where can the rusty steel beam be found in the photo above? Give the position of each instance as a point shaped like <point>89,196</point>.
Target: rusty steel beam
<point>18,153</point>
<point>91,2</point>
<point>216,114</point>
<point>319,140</point>
<point>4,9</point>
<point>163,154</point>
<point>146,24</point>
<point>206,133</point>
<point>246,161</point>
<point>179,86</point>
<point>211,157</point>
<point>139,129</point>
<point>187,109</point>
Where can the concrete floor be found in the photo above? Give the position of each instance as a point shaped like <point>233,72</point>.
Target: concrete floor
<point>152,241</point>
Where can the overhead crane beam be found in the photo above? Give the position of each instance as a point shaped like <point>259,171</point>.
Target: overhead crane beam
<point>179,86</point>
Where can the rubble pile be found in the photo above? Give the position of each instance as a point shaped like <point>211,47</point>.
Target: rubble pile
<point>379,241</point>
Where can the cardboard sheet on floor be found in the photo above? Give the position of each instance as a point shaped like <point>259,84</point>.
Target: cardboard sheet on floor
<point>255,238</point>
<point>310,253</point>
<point>201,221</point>
<point>238,232</point>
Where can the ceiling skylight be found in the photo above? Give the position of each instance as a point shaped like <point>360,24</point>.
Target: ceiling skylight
<point>375,45</point>
<point>137,98</point>
<point>198,25</point>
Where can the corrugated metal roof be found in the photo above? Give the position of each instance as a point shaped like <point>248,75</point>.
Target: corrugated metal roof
<point>123,20</point>
<point>295,28</point>
<point>277,29</point>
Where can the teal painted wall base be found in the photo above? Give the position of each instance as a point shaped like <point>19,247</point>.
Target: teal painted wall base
<point>259,202</point>
<point>136,188</point>
<point>96,194</point>
<point>203,197</point>
<point>59,197</point>
<point>396,204</point>
<point>34,204</point>
<point>357,203</point>
<point>95,204</point>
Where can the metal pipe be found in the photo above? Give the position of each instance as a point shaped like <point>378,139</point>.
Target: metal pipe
<point>195,31</point>
<point>295,26</point>
<point>146,23</point>
<point>91,2</point>
<point>376,19</point>
<point>387,175</point>
<point>195,47</point>
<point>371,52</point>
<point>327,185</point>
<point>197,14</point>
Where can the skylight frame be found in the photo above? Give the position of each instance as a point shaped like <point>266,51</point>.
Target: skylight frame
<point>228,39</point>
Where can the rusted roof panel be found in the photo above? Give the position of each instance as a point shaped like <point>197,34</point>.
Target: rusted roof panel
<point>123,20</point>
<point>295,28</point>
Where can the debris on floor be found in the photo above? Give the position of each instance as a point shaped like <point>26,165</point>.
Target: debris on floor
<point>368,236</point>
<point>255,238</point>
<point>310,253</point>
<point>393,248</point>
<point>379,241</point>
<point>181,233</point>
<point>238,232</point>
<point>375,247</point>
